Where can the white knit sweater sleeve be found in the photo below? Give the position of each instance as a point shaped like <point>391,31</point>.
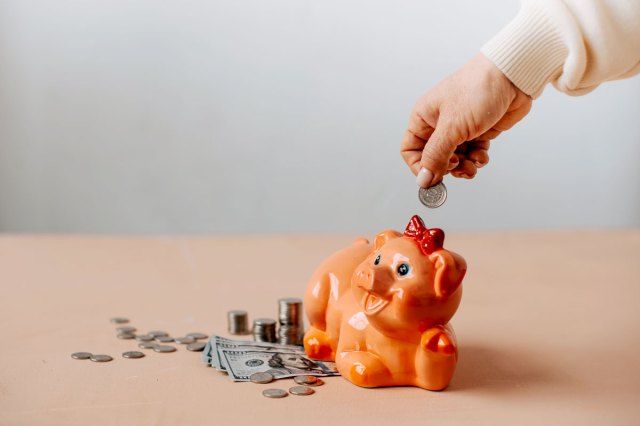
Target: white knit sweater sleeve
<point>574,44</point>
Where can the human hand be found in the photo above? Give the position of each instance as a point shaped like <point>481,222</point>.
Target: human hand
<point>451,126</point>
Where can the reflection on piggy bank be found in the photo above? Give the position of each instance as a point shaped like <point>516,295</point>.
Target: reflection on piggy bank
<point>382,311</point>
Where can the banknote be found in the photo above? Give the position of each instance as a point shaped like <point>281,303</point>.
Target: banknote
<point>239,359</point>
<point>212,352</point>
<point>241,364</point>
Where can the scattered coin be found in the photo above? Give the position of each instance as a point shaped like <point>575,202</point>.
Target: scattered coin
<point>100,358</point>
<point>305,380</point>
<point>164,339</point>
<point>274,393</point>
<point>126,329</point>
<point>184,340</point>
<point>318,382</point>
<point>301,390</point>
<point>81,355</point>
<point>196,346</point>
<point>157,333</point>
<point>126,336</point>
<point>164,348</point>
<point>433,197</point>
<point>147,345</point>
<point>133,354</point>
<point>144,337</point>
<point>119,320</point>
<point>197,336</point>
<point>261,378</point>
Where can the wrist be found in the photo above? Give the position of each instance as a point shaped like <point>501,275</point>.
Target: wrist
<point>529,51</point>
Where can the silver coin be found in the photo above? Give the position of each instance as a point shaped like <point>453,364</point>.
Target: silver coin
<point>157,333</point>
<point>196,346</point>
<point>318,382</point>
<point>238,322</point>
<point>147,345</point>
<point>126,336</point>
<point>290,311</point>
<point>144,337</point>
<point>274,393</point>
<point>261,378</point>
<point>101,358</point>
<point>164,348</point>
<point>81,355</point>
<point>433,197</point>
<point>132,354</point>
<point>197,336</point>
<point>126,329</point>
<point>305,380</point>
<point>119,320</point>
<point>264,330</point>
<point>301,390</point>
<point>184,340</point>
<point>164,339</point>
<point>264,322</point>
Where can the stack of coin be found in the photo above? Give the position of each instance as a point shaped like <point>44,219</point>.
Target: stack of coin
<point>290,316</point>
<point>238,322</point>
<point>264,330</point>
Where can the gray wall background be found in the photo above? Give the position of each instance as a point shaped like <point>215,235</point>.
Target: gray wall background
<point>194,116</point>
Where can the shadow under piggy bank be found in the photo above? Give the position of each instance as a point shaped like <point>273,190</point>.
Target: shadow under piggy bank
<point>504,370</point>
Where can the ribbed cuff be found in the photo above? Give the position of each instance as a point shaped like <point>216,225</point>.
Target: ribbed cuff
<point>530,50</point>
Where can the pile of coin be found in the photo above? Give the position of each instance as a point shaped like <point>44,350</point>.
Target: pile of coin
<point>303,388</point>
<point>288,330</point>
<point>238,322</point>
<point>290,314</point>
<point>264,330</point>
<point>155,340</point>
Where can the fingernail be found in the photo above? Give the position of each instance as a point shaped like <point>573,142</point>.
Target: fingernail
<point>478,164</point>
<point>464,175</point>
<point>424,177</point>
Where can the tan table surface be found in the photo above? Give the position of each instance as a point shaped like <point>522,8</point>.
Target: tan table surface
<point>549,331</point>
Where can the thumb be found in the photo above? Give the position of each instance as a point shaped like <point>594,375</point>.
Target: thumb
<point>436,154</point>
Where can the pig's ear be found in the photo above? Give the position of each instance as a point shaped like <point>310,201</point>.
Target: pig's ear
<point>383,237</point>
<point>450,269</point>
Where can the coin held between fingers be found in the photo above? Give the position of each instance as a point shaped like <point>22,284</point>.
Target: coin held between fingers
<point>434,196</point>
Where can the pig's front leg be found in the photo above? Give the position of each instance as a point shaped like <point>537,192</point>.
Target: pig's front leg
<point>436,358</point>
<point>318,345</point>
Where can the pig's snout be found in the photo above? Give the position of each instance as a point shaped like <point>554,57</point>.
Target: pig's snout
<point>374,280</point>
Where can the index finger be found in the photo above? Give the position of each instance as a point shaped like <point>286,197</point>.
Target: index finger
<point>414,140</point>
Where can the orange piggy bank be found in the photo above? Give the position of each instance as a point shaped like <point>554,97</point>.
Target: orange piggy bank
<point>382,311</point>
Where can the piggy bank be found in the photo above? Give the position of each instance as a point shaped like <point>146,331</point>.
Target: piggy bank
<point>381,311</point>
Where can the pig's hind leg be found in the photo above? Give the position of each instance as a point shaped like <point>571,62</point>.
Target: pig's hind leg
<point>436,358</point>
<point>317,342</point>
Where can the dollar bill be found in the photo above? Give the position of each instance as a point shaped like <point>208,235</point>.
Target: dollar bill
<point>239,359</point>
<point>206,353</point>
<point>241,364</point>
<point>212,352</point>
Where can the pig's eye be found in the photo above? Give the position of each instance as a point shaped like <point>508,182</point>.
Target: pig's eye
<point>403,269</point>
<point>377,261</point>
